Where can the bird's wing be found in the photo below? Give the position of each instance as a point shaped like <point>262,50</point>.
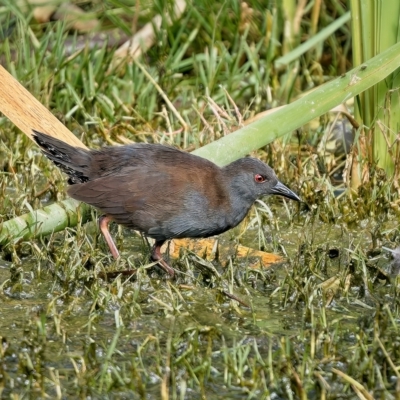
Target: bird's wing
<point>163,203</point>
<point>127,190</point>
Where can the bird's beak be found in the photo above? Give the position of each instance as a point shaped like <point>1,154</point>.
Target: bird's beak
<point>281,189</point>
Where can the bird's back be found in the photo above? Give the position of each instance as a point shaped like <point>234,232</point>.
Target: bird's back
<point>83,165</point>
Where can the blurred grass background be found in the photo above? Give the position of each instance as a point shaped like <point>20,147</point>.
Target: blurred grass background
<point>323,325</point>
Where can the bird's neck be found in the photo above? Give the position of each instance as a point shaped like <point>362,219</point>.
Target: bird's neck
<point>241,197</point>
<point>241,201</point>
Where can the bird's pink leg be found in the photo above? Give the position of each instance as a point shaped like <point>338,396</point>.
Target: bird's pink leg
<point>104,221</point>
<point>156,256</point>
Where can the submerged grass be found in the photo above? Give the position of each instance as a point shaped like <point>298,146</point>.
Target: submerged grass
<point>322,325</point>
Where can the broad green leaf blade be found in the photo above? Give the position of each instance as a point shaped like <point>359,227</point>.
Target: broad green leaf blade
<point>298,113</point>
<point>53,218</point>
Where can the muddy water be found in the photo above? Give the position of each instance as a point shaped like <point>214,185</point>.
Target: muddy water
<point>44,328</point>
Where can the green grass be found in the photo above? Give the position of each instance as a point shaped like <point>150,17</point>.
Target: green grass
<point>66,333</point>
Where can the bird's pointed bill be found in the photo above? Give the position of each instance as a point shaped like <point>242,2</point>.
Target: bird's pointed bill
<point>282,190</point>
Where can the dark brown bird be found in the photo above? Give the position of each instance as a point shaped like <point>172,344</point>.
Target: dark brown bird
<point>160,191</point>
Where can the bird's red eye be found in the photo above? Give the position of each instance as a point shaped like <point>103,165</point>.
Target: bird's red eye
<point>259,178</point>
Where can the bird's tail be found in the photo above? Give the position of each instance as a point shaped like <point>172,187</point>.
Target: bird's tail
<point>74,161</point>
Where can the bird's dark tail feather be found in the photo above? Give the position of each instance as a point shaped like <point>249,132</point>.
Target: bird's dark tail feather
<point>74,161</point>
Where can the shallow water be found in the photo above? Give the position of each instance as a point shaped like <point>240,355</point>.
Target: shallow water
<point>131,333</point>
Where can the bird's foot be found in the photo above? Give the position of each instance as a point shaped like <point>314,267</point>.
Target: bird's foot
<point>156,256</point>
